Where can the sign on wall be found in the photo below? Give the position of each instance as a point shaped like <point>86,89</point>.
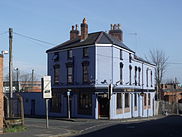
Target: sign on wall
<point>46,87</point>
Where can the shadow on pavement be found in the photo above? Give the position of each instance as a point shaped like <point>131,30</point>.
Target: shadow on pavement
<point>169,126</point>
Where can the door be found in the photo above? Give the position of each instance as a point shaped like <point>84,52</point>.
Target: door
<point>33,107</point>
<point>103,106</point>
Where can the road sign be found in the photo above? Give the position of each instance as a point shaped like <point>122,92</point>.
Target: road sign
<point>46,87</point>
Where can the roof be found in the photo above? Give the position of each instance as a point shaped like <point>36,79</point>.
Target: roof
<point>93,38</point>
<point>143,60</point>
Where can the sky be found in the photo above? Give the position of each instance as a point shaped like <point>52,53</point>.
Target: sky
<point>157,23</point>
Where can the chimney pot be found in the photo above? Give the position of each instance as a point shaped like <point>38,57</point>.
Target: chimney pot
<point>84,29</point>
<point>116,32</point>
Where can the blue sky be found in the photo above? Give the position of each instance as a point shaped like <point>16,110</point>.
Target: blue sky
<point>158,24</point>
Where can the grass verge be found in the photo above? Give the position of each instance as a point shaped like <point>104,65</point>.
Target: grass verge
<point>15,129</point>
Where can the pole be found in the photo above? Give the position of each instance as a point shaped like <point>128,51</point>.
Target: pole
<point>10,71</point>
<point>32,78</point>
<point>17,79</point>
<point>47,113</point>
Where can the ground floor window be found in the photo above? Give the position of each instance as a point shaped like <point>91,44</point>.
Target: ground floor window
<point>119,103</point>
<point>55,103</point>
<point>145,101</point>
<point>127,102</point>
<point>119,100</point>
<point>149,100</point>
<point>135,101</point>
<point>85,103</point>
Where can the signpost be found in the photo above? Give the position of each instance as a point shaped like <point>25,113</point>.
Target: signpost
<point>47,94</point>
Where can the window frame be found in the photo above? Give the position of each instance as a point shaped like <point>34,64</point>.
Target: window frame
<point>56,73</point>
<point>70,54</point>
<point>85,52</point>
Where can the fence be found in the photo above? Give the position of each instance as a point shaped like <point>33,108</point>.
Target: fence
<point>169,108</point>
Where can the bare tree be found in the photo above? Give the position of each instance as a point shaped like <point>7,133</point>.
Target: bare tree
<point>158,58</point>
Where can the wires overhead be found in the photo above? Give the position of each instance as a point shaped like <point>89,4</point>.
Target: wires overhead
<point>35,39</point>
<point>4,33</point>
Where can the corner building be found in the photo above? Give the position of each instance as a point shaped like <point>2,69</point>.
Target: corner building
<point>88,65</point>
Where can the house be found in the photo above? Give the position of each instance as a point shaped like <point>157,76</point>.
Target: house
<point>171,92</point>
<point>103,76</point>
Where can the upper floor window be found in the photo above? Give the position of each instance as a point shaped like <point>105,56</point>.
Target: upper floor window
<point>147,77</point>
<point>85,66</point>
<point>130,57</point>
<point>70,74</point>
<point>85,52</point>
<point>70,54</point>
<point>121,54</point>
<point>151,78</point>
<point>56,56</point>
<point>135,75</point>
<point>121,73</point>
<point>56,74</point>
<point>130,69</point>
<point>139,71</point>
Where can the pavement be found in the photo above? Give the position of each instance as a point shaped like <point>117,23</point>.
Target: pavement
<point>36,127</point>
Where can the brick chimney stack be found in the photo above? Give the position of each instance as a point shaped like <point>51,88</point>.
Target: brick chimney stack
<point>116,32</point>
<point>74,33</point>
<point>84,29</point>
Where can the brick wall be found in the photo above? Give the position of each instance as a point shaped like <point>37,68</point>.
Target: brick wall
<point>1,94</point>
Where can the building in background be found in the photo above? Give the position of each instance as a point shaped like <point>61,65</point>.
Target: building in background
<point>23,86</point>
<point>172,92</point>
<point>88,65</point>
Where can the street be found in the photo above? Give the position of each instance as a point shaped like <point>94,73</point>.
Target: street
<point>166,127</point>
<point>140,127</point>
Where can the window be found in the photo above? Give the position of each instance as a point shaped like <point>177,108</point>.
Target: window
<point>85,52</point>
<point>70,54</point>
<point>121,54</point>
<point>55,104</point>
<point>145,99</point>
<point>149,99</point>
<point>56,74</point>
<point>130,57</point>
<point>85,72</point>
<point>85,103</point>
<point>121,73</point>
<point>147,77</point>
<point>130,68</point>
<point>119,100</point>
<point>135,101</point>
<point>135,75</point>
<point>139,70</point>
<point>56,56</point>
<point>127,100</point>
<point>70,74</point>
<point>151,78</point>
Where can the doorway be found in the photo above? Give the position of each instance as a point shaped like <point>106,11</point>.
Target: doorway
<point>103,106</point>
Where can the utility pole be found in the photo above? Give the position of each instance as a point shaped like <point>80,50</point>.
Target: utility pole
<point>32,78</point>
<point>10,72</point>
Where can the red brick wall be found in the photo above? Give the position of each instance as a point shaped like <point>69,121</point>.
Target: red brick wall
<point>1,94</point>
